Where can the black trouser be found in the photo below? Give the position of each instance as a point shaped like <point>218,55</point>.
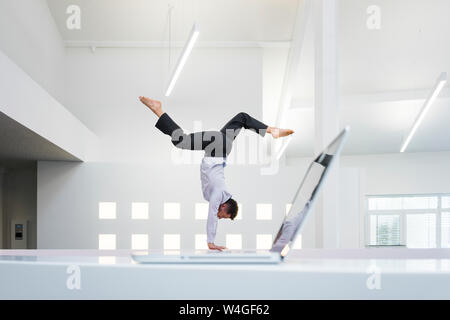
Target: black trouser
<point>214,143</point>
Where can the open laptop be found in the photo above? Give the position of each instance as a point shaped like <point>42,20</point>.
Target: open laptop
<point>290,228</point>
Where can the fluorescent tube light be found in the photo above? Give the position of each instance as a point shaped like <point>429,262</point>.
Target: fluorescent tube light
<point>426,107</point>
<point>283,147</point>
<point>183,58</point>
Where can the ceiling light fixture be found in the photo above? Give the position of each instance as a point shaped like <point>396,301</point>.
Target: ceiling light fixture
<point>183,58</point>
<point>283,147</point>
<point>426,107</point>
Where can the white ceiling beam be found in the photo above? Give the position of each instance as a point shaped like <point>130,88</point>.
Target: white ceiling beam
<point>374,98</point>
<point>298,36</point>
<point>179,44</point>
<point>392,96</point>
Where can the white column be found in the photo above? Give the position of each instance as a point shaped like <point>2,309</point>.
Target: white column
<point>326,116</point>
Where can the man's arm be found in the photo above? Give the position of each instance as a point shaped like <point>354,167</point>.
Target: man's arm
<point>211,223</point>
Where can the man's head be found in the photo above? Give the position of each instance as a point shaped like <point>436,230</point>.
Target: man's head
<point>228,209</point>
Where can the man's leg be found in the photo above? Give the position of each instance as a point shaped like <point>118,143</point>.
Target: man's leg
<point>233,127</point>
<point>243,120</point>
<point>210,141</point>
<point>215,144</point>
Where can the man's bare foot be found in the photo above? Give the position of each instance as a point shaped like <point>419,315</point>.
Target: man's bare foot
<point>153,105</point>
<point>279,133</point>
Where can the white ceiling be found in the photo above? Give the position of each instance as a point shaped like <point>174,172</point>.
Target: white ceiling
<point>147,20</point>
<point>384,77</point>
<point>402,60</point>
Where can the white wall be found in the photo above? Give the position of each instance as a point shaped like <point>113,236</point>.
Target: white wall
<point>274,66</point>
<point>362,175</point>
<point>60,201</point>
<point>135,162</point>
<point>103,90</point>
<point>404,173</point>
<point>68,196</point>
<point>29,36</point>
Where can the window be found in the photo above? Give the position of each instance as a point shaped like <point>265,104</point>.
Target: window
<point>107,210</point>
<point>446,202</point>
<point>264,211</point>
<point>171,211</point>
<point>139,210</point>
<point>171,242</point>
<point>385,203</point>
<point>139,241</point>
<point>263,241</point>
<point>415,221</point>
<point>445,230</point>
<point>234,241</point>
<point>421,230</point>
<point>107,241</point>
<point>385,230</point>
<point>420,202</point>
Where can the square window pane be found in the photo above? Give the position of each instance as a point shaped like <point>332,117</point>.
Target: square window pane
<point>107,241</point>
<point>234,241</point>
<point>420,203</point>
<point>201,211</point>
<point>139,241</point>
<point>171,242</point>
<point>421,230</point>
<point>446,202</point>
<point>139,210</point>
<point>445,229</point>
<point>171,211</point>
<point>263,241</point>
<point>385,203</point>
<point>264,211</point>
<point>372,204</point>
<point>107,210</point>
<point>200,242</point>
<point>373,230</point>
<point>385,230</point>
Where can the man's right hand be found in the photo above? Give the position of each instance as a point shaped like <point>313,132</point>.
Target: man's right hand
<point>212,246</point>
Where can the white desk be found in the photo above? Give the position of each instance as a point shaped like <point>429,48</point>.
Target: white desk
<point>307,274</point>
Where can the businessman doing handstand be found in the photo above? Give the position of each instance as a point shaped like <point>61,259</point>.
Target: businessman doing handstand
<point>217,146</point>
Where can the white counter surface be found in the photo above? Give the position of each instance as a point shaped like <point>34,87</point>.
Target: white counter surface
<point>306,274</point>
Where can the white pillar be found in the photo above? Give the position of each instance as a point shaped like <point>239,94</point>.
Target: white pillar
<point>326,117</point>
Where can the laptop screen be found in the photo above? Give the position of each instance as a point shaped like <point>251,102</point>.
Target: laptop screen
<point>306,193</point>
